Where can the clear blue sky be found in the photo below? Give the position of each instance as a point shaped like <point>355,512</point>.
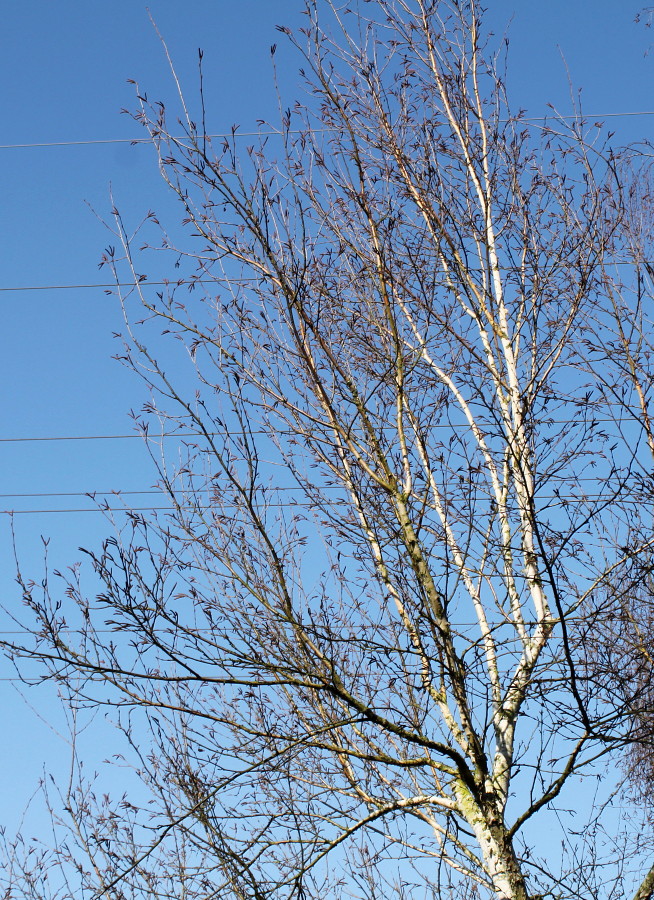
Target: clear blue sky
<point>64,71</point>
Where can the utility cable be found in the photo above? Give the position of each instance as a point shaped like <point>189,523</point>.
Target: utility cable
<point>226,433</point>
<point>274,132</point>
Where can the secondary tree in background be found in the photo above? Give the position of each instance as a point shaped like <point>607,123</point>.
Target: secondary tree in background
<point>397,610</point>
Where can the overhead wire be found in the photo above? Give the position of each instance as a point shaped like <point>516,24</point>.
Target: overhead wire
<point>191,282</point>
<point>275,132</point>
<point>103,507</point>
<point>171,283</point>
<point>597,420</point>
<point>95,494</point>
<point>109,286</point>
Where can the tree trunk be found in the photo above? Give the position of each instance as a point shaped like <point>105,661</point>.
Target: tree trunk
<point>646,889</point>
<point>500,861</point>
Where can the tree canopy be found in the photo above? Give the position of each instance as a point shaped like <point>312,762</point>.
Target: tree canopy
<point>400,612</point>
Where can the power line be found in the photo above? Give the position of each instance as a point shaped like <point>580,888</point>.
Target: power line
<point>119,492</point>
<point>90,494</point>
<point>597,420</point>
<point>105,509</point>
<point>93,437</point>
<point>130,284</point>
<point>227,279</point>
<point>195,632</point>
<point>299,504</point>
<point>273,132</point>
<point>133,141</point>
<point>76,287</point>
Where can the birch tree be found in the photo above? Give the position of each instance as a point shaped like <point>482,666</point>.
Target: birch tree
<point>364,655</point>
